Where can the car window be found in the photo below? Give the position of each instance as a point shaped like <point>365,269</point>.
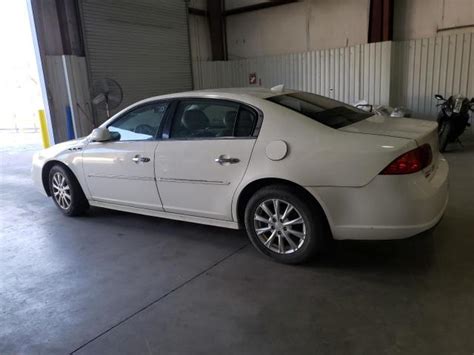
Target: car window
<point>141,123</point>
<point>329,112</point>
<point>204,119</point>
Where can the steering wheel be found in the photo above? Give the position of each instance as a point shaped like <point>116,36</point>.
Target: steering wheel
<point>145,129</point>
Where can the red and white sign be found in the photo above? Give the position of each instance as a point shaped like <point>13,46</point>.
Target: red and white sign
<point>253,78</point>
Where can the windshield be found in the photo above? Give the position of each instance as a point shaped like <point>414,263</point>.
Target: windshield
<point>332,113</point>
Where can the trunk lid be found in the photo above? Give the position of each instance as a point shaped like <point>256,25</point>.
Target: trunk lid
<point>421,131</point>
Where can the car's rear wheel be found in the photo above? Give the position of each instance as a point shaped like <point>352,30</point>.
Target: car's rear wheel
<point>283,225</point>
<point>66,192</point>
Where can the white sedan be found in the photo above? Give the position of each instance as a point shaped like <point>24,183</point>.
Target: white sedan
<point>291,167</point>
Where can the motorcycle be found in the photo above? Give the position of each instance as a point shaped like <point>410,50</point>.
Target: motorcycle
<point>453,118</point>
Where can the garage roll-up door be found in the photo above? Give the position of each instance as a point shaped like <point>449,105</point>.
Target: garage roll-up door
<point>142,44</point>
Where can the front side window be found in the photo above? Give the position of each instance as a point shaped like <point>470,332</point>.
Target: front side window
<point>212,119</point>
<point>332,113</point>
<point>141,123</point>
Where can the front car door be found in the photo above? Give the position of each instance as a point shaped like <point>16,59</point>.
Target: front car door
<point>200,165</point>
<point>122,172</point>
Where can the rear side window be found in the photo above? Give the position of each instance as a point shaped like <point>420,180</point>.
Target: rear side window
<point>332,113</point>
<point>212,119</point>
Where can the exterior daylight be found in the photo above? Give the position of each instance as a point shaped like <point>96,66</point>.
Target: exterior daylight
<point>291,167</point>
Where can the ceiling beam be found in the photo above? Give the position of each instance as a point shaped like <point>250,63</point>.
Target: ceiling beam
<point>197,12</point>
<point>259,6</point>
<point>243,9</point>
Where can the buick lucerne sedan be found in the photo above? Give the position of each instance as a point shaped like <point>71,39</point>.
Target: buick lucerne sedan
<point>292,168</point>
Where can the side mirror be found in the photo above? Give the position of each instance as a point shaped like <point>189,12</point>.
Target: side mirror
<point>102,134</point>
<point>439,97</point>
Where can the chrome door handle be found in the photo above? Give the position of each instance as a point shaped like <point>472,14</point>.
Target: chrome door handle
<point>139,159</point>
<point>224,159</point>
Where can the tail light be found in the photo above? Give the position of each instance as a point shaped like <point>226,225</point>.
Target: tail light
<point>410,162</point>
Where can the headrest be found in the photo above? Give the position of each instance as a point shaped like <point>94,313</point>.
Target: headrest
<point>229,119</point>
<point>245,124</point>
<point>195,119</point>
<point>245,118</point>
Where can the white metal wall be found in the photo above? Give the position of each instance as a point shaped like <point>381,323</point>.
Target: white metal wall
<point>346,74</point>
<point>425,67</point>
<point>142,44</point>
<point>404,73</point>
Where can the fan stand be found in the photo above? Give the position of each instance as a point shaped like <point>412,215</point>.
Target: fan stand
<point>107,106</point>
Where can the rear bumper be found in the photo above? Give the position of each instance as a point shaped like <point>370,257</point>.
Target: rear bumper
<point>389,207</point>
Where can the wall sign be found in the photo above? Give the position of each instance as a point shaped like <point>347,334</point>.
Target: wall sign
<point>253,78</point>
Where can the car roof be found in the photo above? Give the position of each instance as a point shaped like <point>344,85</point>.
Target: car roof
<point>244,94</point>
<point>259,92</point>
<point>250,92</point>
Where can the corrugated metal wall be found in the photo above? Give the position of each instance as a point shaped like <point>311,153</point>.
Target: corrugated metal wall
<point>142,44</point>
<point>397,73</point>
<point>425,67</point>
<point>346,74</point>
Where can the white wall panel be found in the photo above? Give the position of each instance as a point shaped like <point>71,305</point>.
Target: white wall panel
<point>425,67</point>
<point>406,73</point>
<point>346,74</point>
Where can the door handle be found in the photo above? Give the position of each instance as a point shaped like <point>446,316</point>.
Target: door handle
<point>139,159</point>
<point>224,159</point>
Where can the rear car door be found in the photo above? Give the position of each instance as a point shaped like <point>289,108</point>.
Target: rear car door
<point>122,171</point>
<point>203,158</point>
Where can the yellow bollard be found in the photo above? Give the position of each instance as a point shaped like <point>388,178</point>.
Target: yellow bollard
<point>44,129</point>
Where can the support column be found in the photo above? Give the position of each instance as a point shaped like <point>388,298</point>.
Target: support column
<point>380,21</point>
<point>215,11</point>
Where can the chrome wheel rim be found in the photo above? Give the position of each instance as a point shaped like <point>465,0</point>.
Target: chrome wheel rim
<point>61,191</point>
<point>279,226</point>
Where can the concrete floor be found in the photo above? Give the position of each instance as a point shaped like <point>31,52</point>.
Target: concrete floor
<point>116,283</point>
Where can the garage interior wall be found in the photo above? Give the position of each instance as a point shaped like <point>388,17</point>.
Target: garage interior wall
<point>415,19</point>
<point>141,44</point>
<point>316,45</point>
<point>296,27</point>
<point>405,73</point>
<point>321,46</point>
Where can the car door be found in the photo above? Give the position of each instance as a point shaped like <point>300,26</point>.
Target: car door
<point>200,165</point>
<point>122,171</point>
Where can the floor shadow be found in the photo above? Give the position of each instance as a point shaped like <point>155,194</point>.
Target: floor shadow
<point>466,145</point>
<point>413,254</point>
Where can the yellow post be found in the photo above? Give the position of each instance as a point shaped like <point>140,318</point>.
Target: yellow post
<point>44,129</point>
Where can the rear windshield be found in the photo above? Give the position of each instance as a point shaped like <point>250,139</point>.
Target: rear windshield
<point>329,112</point>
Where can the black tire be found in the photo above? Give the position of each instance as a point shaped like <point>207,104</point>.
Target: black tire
<point>444,133</point>
<point>77,202</point>
<point>313,217</point>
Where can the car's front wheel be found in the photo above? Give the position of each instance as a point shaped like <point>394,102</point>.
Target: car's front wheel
<point>66,191</point>
<point>283,225</point>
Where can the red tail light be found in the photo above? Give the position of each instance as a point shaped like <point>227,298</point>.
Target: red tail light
<point>410,162</point>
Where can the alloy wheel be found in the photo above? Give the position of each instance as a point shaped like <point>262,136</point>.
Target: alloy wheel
<point>61,191</point>
<point>279,226</point>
